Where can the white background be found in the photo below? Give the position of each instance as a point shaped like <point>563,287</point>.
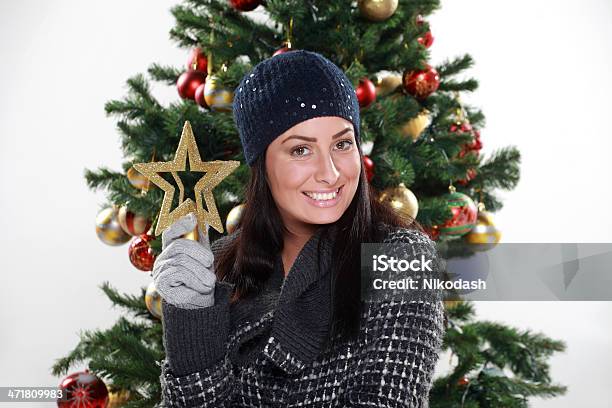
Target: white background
<point>543,69</point>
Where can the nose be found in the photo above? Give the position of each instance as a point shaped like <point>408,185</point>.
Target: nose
<point>326,170</point>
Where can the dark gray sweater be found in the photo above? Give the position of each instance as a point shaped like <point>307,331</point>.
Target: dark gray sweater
<point>270,351</point>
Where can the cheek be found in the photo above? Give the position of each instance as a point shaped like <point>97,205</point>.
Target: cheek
<point>288,177</point>
<point>350,166</point>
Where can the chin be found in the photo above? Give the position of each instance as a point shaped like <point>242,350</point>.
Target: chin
<point>319,217</point>
<point>324,220</point>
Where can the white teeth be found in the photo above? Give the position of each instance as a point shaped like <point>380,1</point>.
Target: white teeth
<point>322,196</point>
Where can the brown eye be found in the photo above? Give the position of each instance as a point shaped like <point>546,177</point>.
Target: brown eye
<point>298,149</point>
<point>347,146</point>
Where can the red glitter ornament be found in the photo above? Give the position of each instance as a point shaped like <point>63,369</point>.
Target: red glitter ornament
<point>83,390</point>
<point>421,83</point>
<point>140,252</point>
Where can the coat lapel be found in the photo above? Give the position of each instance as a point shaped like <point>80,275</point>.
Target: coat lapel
<point>302,318</point>
<point>289,320</point>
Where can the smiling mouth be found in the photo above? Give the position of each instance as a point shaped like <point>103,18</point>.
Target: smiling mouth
<point>323,196</point>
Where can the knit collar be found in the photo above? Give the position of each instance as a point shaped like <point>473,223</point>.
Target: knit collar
<point>289,320</point>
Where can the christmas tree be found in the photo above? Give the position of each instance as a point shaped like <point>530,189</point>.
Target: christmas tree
<point>421,148</point>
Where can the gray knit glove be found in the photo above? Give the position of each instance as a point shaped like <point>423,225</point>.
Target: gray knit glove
<point>183,272</point>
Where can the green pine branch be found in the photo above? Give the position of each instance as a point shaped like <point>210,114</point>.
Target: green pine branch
<point>496,365</point>
<point>500,170</point>
<point>166,74</point>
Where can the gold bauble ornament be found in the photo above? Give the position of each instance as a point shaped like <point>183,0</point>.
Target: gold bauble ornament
<point>402,200</point>
<point>377,10</point>
<point>387,84</point>
<point>153,300</point>
<point>137,180</point>
<point>415,126</point>
<point>108,228</point>
<point>485,235</point>
<point>118,398</point>
<point>233,218</point>
<point>218,99</point>
<point>214,173</point>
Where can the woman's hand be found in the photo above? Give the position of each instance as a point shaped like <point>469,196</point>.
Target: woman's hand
<point>183,272</point>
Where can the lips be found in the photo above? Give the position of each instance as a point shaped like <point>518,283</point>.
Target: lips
<point>324,202</point>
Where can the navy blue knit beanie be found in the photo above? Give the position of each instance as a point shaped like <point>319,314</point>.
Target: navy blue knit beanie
<point>285,90</point>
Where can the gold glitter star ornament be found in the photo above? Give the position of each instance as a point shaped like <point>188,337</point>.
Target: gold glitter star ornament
<point>215,171</point>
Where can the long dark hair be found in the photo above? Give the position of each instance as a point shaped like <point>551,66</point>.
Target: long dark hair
<point>249,260</point>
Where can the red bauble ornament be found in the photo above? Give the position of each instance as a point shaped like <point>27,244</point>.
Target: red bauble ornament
<point>245,5</point>
<point>366,92</point>
<point>421,84</point>
<point>83,390</point>
<point>433,232</point>
<point>464,150</point>
<point>133,224</point>
<point>472,147</point>
<point>471,173</point>
<point>199,96</point>
<point>476,143</point>
<point>369,167</point>
<point>426,40</point>
<point>469,148</point>
<point>461,127</point>
<point>464,216</point>
<point>197,61</point>
<point>188,82</point>
<point>140,252</point>
<point>463,381</point>
<point>283,50</point>
<point>465,127</point>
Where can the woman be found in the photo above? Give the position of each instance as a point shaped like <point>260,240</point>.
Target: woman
<point>272,315</point>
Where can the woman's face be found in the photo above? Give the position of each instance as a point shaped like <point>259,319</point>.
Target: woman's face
<point>313,170</point>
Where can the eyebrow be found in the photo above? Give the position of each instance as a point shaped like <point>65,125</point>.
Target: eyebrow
<point>314,139</point>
